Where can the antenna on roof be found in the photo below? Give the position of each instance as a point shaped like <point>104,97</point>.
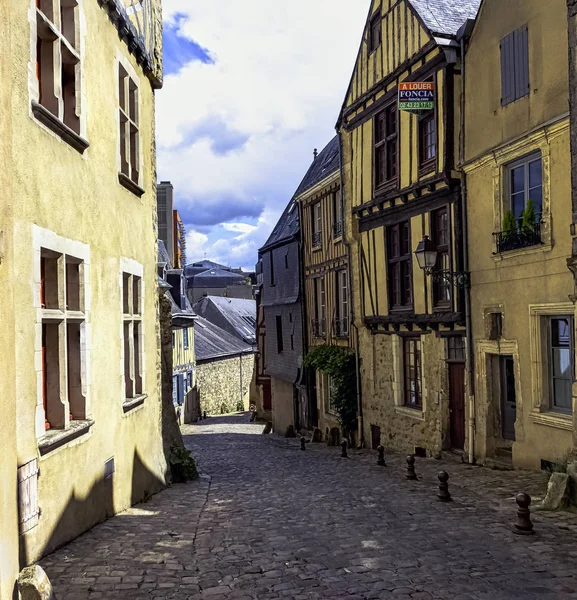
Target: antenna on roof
<point>315,153</point>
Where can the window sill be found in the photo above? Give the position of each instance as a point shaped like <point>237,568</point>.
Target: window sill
<point>56,438</point>
<point>544,247</point>
<point>386,187</point>
<point>428,167</point>
<point>317,248</point>
<point>551,419</point>
<point>44,116</point>
<point>132,403</point>
<point>414,413</point>
<point>126,182</point>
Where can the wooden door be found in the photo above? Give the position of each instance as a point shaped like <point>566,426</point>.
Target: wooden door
<point>457,404</point>
<point>508,398</point>
<point>266,395</point>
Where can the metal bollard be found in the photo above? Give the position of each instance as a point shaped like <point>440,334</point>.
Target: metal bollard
<point>411,473</point>
<point>204,415</point>
<point>443,493</point>
<point>381,459</point>
<point>303,442</point>
<point>344,449</point>
<point>523,526</point>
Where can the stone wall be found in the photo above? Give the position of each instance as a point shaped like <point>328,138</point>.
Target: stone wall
<point>283,411</point>
<point>219,383</point>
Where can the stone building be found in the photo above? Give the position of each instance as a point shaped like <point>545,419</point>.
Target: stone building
<point>80,403</point>
<point>207,278</point>
<point>401,193</point>
<point>517,155</point>
<point>224,368</point>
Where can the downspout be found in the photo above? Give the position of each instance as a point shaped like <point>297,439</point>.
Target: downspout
<point>360,424</point>
<point>469,365</point>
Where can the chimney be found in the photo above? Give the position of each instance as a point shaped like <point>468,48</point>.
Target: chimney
<point>315,153</point>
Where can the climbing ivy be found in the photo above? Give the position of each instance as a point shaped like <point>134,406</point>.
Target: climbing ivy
<point>339,364</point>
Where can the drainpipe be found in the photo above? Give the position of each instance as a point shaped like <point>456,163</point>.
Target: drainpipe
<point>361,443</point>
<point>464,33</point>
<point>241,398</point>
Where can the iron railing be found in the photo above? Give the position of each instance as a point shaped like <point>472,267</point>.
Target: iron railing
<point>319,328</point>
<point>317,239</point>
<point>341,327</point>
<point>524,237</point>
<point>338,229</point>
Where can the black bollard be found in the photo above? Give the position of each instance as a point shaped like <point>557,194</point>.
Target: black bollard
<point>523,526</point>
<point>443,493</point>
<point>303,442</point>
<point>381,459</point>
<point>344,449</point>
<point>204,415</point>
<point>411,474</point>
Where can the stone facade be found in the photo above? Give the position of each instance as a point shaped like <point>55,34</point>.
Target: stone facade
<point>219,384</point>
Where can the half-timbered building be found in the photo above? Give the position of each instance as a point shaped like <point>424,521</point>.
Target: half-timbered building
<point>325,266</point>
<point>402,193</point>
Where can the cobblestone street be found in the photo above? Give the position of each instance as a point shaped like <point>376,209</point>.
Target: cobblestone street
<point>267,521</point>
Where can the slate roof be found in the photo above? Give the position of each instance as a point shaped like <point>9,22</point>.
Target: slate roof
<point>216,278</point>
<point>212,342</point>
<point>201,266</point>
<point>287,226</point>
<point>325,164</point>
<point>445,17</point>
<point>235,315</point>
<point>163,256</point>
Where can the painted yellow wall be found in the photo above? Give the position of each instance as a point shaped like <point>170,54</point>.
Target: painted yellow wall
<point>183,358</point>
<point>515,281</point>
<point>78,197</point>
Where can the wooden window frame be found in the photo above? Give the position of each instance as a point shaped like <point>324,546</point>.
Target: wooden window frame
<point>385,144</point>
<point>317,225</point>
<point>375,32</point>
<point>319,327</point>
<point>550,373</point>
<point>130,174</point>
<point>401,262</point>
<point>412,347</point>
<point>132,302</point>
<point>440,301</point>
<point>427,164</point>
<point>338,219</point>
<point>524,162</point>
<point>342,303</point>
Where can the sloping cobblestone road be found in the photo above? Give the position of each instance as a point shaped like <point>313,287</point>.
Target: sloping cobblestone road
<point>269,521</point>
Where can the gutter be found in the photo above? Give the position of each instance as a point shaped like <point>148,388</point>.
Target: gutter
<point>462,36</point>
<point>360,423</point>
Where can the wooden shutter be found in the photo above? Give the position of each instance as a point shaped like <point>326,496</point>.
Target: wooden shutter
<point>507,69</point>
<point>521,41</point>
<point>28,495</point>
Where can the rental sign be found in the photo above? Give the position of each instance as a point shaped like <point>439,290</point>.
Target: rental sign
<point>416,95</point>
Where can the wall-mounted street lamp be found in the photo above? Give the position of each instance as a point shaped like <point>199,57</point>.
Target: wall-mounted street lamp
<point>427,254</point>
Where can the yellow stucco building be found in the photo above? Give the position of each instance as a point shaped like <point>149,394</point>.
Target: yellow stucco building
<point>80,396</point>
<point>400,184</point>
<point>517,165</point>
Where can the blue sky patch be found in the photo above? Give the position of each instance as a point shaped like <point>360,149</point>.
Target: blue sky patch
<point>180,50</point>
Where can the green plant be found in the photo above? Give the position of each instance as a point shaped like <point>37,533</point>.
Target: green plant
<point>528,217</point>
<point>182,465</point>
<point>509,223</point>
<point>340,365</point>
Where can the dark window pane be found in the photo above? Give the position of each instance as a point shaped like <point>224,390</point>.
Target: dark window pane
<point>518,204</point>
<point>561,362</point>
<point>518,179</point>
<point>536,194</point>
<point>535,174</point>
<point>561,333</point>
<point>562,393</point>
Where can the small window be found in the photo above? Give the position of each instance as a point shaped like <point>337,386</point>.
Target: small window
<point>441,237</point>
<point>427,140</point>
<point>399,270</point>
<point>317,225</point>
<point>456,348</point>
<point>319,325</point>
<point>337,202</point>
<point>375,34</point>
<point>561,362</point>
<point>129,126</point>
<point>385,146</point>
<point>342,297</point>
<point>515,66</point>
<point>286,262</point>
<point>412,373</point>
<point>185,338</point>
<point>525,182</point>
<point>279,335</point>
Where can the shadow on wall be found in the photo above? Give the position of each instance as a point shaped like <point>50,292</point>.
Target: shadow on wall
<point>81,514</point>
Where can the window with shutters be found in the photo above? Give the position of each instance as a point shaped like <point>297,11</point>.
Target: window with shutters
<point>129,141</point>
<point>63,350</point>
<point>132,333</point>
<point>58,69</point>
<point>515,66</point>
<point>28,509</point>
<point>385,146</point>
<point>399,268</point>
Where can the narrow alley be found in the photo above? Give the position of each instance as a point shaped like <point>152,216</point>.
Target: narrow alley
<point>267,520</point>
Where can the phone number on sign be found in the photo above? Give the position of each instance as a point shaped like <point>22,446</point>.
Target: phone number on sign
<point>416,105</point>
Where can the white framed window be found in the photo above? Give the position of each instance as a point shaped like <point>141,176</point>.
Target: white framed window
<point>524,182</point>
<point>319,325</point>
<point>561,362</point>
<point>132,330</point>
<point>342,295</point>
<point>62,301</point>
<point>317,225</point>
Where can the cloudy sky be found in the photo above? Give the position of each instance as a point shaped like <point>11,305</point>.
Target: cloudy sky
<point>251,87</point>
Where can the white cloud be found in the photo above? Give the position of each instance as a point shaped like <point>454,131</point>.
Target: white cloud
<point>272,95</point>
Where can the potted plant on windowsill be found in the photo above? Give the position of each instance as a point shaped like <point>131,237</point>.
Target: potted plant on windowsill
<point>529,233</point>
<point>509,234</point>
